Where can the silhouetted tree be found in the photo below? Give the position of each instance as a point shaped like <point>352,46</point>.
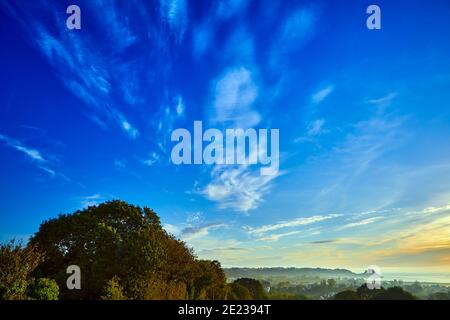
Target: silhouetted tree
<point>347,295</point>
<point>394,293</point>
<point>364,293</point>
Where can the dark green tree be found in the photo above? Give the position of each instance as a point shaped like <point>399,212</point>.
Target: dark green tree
<point>364,293</point>
<point>393,293</point>
<point>101,240</point>
<point>238,292</point>
<point>209,281</point>
<point>115,240</point>
<point>254,287</point>
<point>347,295</point>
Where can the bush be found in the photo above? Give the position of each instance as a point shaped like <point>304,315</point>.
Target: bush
<point>113,290</point>
<point>43,289</point>
<point>16,265</point>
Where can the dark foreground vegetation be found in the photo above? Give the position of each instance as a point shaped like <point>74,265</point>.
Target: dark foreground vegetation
<point>124,253</point>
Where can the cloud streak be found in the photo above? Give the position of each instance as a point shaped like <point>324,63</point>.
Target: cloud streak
<point>33,154</point>
<point>322,94</point>
<point>85,67</point>
<point>361,223</point>
<point>290,223</point>
<point>198,231</point>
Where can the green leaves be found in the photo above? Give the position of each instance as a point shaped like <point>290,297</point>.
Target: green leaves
<point>43,289</point>
<point>124,253</point>
<point>16,265</point>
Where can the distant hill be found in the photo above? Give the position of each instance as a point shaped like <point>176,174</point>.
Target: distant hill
<point>258,273</point>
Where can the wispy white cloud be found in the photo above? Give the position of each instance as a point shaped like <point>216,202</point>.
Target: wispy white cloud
<point>296,30</point>
<point>172,229</point>
<point>172,113</point>
<point>322,94</point>
<point>174,13</point>
<point>116,25</point>
<point>273,237</point>
<point>154,157</point>
<point>91,200</point>
<point>198,231</point>
<point>315,127</point>
<point>33,154</point>
<point>234,95</point>
<point>81,63</point>
<point>361,222</point>
<point>298,26</point>
<point>180,108</point>
<point>133,132</point>
<point>239,188</point>
<point>383,101</point>
<point>290,223</point>
<point>277,236</point>
<point>370,139</point>
<point>84,74</point>
<point>193,228</point>
<point>431,210</point>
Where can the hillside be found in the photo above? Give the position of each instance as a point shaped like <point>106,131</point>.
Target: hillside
<point>265,273</point>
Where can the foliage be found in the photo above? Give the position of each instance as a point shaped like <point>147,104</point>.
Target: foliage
<point>115,240</point>
<point>209,281</point>
<point>439,296</point>
<point>254,287</point>
<point>238,292</point>
<point>43,289</point>
<point>394,293</point>
<point>347,295</point>
<point>16,265</point>
<point>364,293</point>
<point>113,290</point>
<point>124,253</point>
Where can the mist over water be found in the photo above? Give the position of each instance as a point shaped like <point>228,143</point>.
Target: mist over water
<point>418,276</point>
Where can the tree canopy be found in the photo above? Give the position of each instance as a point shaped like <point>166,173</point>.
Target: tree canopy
<point>123,252</point>
<point>17,263</point>
<point>254,287</point>
<point>364,293</point>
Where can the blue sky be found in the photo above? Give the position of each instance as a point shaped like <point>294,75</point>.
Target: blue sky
<point>86,116</point>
